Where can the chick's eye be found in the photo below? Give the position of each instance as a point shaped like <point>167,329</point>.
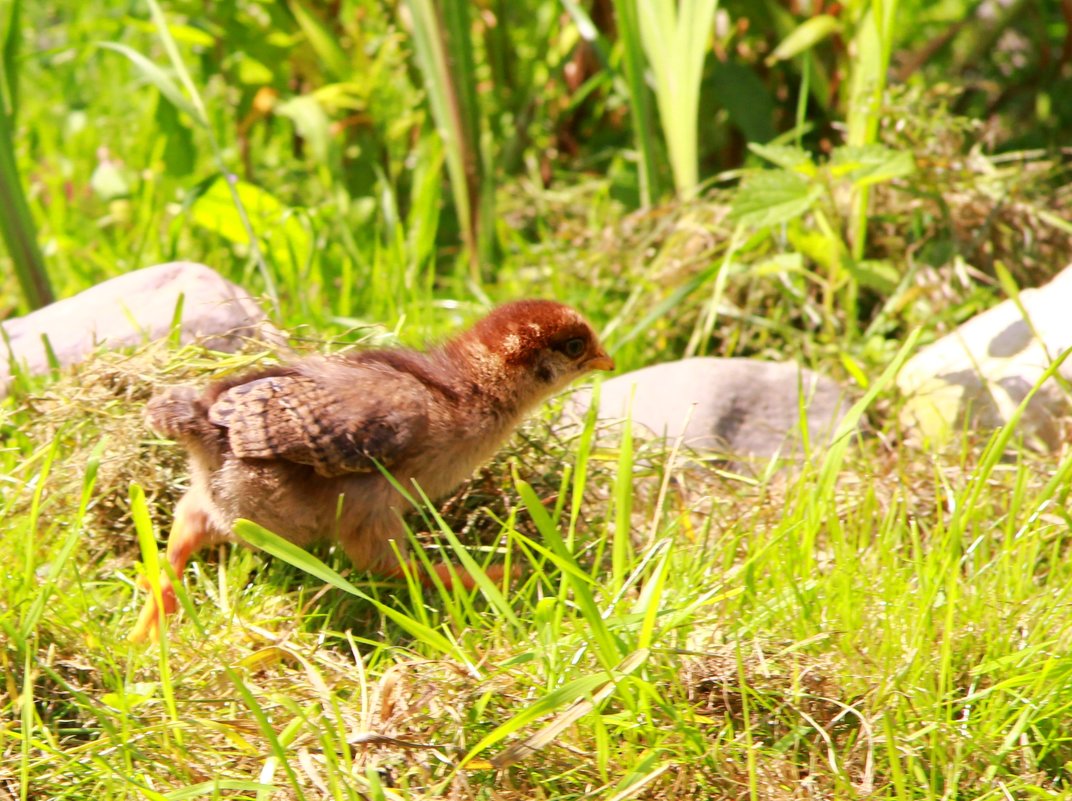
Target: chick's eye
<point>574,347</point>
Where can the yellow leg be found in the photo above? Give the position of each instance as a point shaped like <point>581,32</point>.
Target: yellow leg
<point>189,533</point>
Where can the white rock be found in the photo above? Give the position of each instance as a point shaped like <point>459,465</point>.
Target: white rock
<point>975,377</point>
<point>743,410</point>
<point>133,308</point>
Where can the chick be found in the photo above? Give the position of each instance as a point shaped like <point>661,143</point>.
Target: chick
<point>295,447</point>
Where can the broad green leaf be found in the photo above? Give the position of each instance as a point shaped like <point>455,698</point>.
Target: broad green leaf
<point>180,152</point>
<point>252,72</point>
<point>804,37</point>
<point>279,230</point>
<point>787,156</point>
<point>817,246</point>
<point>773,197</point>
<point>745,98</point>
<point>871,164</point>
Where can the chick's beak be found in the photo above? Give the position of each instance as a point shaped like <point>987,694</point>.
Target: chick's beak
<point>601,361</point>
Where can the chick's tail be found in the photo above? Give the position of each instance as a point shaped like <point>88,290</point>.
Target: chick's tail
<point>177,413</point>
<point>181,414</point>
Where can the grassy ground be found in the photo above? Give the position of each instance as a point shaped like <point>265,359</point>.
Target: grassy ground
<point>887,622</point>
<point>883,623</point>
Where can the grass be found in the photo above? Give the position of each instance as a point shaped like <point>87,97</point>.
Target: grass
<point>895,625</point>
<point>884,622</point>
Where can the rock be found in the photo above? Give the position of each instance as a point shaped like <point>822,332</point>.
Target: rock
<point>744,410</point>
<point>975,377</point>
<point>131,309</point>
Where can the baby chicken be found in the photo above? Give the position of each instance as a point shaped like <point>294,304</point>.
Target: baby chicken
<point>295,447</point>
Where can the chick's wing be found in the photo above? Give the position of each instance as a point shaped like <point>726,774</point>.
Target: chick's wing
<point>337,421</point>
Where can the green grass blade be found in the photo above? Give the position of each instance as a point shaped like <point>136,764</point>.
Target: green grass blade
<point>273,544</point>
<point>17,226</point>
<point>450,84</point>
<point>583,693</point>
<point>75,533</point>
<point>188,100</point>
<point>674,39</point>
<point>608,649</point>
<point>16,223</point>
<point>322,40</point>
<point>157,77</point>
<point>143,527</point>
<point>641,111</point>
<point>207,788</point>
<point>873,43</point>
<point>622,544</point>
<point>479,576</point>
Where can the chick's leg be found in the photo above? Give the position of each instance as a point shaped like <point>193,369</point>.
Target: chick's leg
<point>397,565</point>
<point>447,573</point>
<point>379,546</point>
<point>189,533</point>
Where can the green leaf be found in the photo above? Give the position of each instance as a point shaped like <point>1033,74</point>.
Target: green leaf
<point>876,274</point>
<point>10,41</point>
<point>804,37</point>
<point>675,40</point>
<point>323,41</point>
<point>745,98</point>
<point>252,72</point>
<point>187,34</point>
<point>871,164</point>
<point>17,223</point>
<point>780,264</point>
<point>607,647</point>
<point>641,110</point>
<point>278,228</point>
<point>443,48</point>
<point>773,197</point>
<point>310,121</point>
<point>785,156</point>
<point>179,149</point>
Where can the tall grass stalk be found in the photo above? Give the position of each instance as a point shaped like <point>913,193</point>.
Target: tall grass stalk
<point>675,39</point>
<point>869,64</point>
<point>640,110</point>
<point>16,221</point>
<point>443,46</point>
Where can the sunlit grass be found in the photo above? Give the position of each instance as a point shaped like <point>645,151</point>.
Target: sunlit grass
<point>884,622</point>
<point>875,627</point>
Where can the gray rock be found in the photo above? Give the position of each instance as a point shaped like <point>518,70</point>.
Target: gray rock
<point>742,410</point>
<point>975,377</point>
<point>131,309</point>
